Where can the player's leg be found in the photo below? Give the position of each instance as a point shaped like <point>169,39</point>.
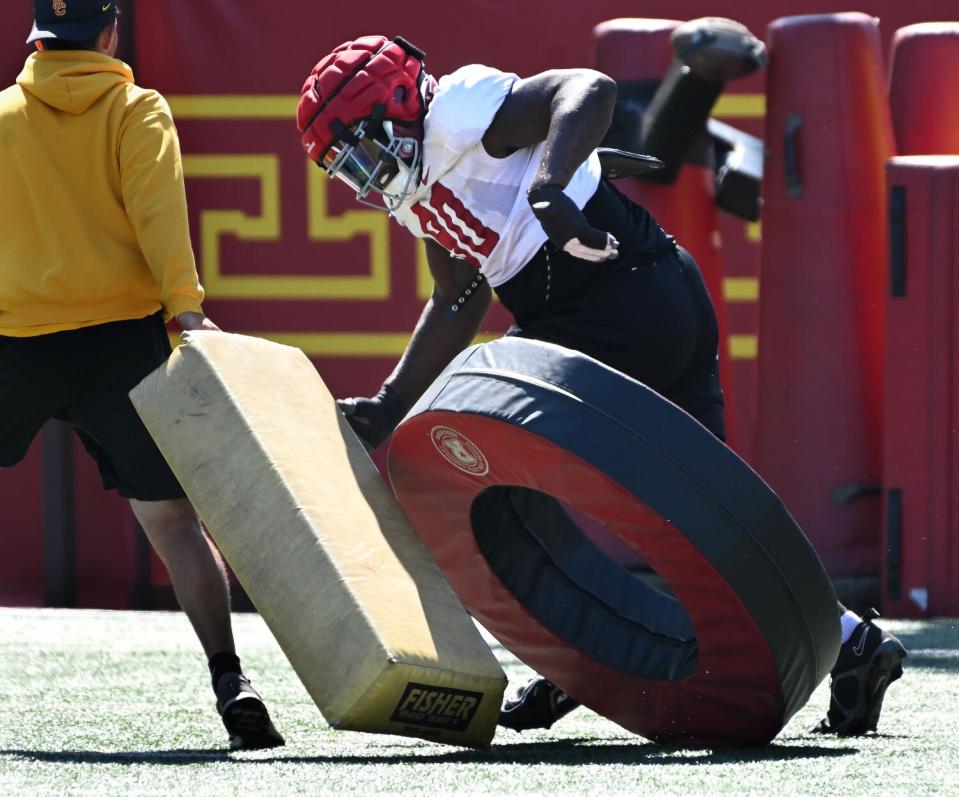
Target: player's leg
<point>697,389</point>
<point>654,321</point>
<point>115,358</point>
<point>536,704</point>
<point>869,660</point>
<point>649,320</point>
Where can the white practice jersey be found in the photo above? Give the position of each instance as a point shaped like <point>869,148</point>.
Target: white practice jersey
<point>472,204</point>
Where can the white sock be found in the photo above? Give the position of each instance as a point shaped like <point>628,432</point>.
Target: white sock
<point>848,623</point>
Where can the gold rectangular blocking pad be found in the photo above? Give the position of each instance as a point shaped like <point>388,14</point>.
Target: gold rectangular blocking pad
<point>314,535</point>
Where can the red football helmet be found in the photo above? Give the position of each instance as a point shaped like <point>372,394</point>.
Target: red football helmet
<point>361,116</point>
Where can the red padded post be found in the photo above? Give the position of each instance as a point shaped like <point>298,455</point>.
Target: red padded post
<point>822,286</point>
<point>921,462</point>
<point>638,50</point>
<point>922,88</point>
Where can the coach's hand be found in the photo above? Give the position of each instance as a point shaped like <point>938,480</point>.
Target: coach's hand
<point>567,227</point>
<point>374,419</point>
<point>192,321</point>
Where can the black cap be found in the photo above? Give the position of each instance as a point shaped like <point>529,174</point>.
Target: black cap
<point>71,20</point>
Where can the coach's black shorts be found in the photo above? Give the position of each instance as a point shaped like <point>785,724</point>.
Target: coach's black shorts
<point>83,378</point>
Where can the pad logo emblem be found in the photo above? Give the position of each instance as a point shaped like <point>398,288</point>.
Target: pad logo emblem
<point>436,707</point>
<point>59,8</point>
<point>459,451</point>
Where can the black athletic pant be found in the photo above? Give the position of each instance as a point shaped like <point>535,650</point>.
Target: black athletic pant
<point>647,314</point>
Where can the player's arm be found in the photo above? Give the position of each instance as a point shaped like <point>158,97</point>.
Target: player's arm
<point>438,337</point>
<point>570,110</point>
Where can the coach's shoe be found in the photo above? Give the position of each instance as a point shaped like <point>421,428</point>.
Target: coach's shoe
<point>536,704</point>
<point>868,662</point>
<point>244,714</point>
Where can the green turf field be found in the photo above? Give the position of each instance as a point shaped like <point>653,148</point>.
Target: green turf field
<point>117,703</point>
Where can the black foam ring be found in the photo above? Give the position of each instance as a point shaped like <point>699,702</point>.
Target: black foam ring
<point>576,591</point>
<point>676,469</point>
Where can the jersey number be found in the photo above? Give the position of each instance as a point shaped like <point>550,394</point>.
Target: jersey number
<point>449,222</point>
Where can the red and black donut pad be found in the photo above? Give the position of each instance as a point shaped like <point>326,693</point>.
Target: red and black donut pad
<point>513,425</point>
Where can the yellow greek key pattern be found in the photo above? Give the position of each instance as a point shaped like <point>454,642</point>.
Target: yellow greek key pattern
<point>234,106</point>
<point>283,106</point>
<point>741,289</point>
<point>424,280</point>
<point>342,344</point>
<point>265,169</point>
<point>321,226</point>
<point>393,344</point>
<point>743,347</point>
<point>740,106</point>
<point>373,224</point>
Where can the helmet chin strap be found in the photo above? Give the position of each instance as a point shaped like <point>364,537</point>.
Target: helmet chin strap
<point>401,187</point>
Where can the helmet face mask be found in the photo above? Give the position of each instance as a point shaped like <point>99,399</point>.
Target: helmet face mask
<point>367,164</point>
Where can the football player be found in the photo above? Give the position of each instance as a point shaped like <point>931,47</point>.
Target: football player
<point>501,177</point>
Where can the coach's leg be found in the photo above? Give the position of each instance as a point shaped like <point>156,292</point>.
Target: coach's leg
<point>199,581</point>
<point>195,567</point>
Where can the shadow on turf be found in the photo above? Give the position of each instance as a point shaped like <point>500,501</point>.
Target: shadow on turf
<point>567,752</point>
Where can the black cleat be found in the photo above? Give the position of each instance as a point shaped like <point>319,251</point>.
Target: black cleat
<point>537,704</point>
<point>244,715</point>
<point>868,662</point>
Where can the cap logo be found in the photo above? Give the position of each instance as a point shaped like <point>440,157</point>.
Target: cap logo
<point>59,8</point>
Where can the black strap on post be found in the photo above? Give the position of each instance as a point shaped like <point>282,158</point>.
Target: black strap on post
<point>59,524</point>
<point>141,596</point>
<point>794,185</point>
<point>897,241</point>
<point>894,543</point>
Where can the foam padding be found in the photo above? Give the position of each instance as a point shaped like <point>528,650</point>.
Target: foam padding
<point>515,430</point>
<point>317,540</point>
<point>922,88</point>
<point>822,285</point>
<point>921,447</point>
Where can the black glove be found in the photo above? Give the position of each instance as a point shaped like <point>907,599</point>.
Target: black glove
<point>374,419</point>
<point>567,227</point>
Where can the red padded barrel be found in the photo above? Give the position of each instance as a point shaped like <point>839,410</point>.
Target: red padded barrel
<point>638,50</point>
<point>921,464</point>
<point>634,48</point>
<point>822,286</point>
<point>922,88</point>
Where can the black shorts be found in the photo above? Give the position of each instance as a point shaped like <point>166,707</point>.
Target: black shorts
<point>648,316</point>
<point>83,377</point>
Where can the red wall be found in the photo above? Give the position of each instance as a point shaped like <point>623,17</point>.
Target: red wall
<point>226,48</point>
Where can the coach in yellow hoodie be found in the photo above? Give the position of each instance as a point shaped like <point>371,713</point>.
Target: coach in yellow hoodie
<point>95,255</point>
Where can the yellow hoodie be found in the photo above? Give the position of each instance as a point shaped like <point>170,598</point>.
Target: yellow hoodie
<point>93,219</point>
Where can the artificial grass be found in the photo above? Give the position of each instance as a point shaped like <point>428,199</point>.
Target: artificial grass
<point>118,703</point>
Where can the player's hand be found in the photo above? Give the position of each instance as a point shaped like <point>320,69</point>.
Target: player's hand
<point>192,321</point>
<point>567,227</point>
<point>374,419</point>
